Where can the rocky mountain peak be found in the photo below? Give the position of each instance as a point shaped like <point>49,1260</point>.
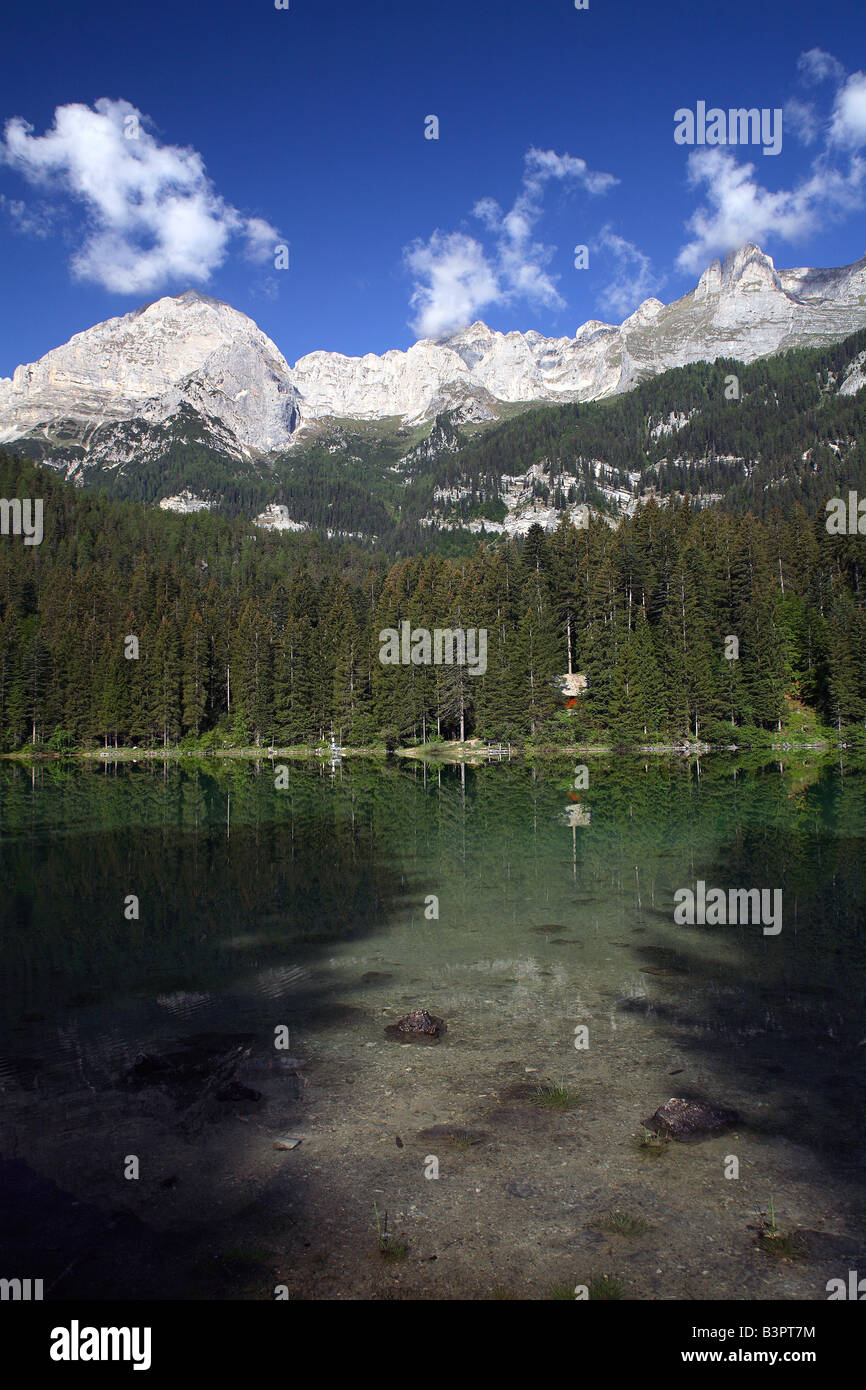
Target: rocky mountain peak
<point>191,350</point>
<point>749,268</point>
<point>181,348</point>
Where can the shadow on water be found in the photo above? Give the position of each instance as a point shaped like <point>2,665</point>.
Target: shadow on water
<point>246,894</point>
<point>239,889</point>
<point>781,1016</point>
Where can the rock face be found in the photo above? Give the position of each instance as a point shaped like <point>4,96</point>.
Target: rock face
<point>690,1119</point>
<point>855,376</point>
<point>275,517</point>
<point>193,356</point>
<point>416,1025</point>
<point>184,502</point>
<point>185,350</point>
<point>741,308</point>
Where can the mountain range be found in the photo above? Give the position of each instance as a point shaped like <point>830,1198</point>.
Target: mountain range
<point>187,403</point>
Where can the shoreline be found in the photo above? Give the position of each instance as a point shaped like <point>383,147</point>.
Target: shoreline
<point>474,753</point>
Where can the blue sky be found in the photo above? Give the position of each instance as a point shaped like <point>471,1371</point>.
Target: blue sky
<point>225,130</point>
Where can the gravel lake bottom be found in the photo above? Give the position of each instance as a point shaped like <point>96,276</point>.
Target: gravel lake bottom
<point>202,1102</point>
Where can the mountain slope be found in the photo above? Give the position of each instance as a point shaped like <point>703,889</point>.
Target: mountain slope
<point>743,308</point>
<point>186,403</point>
<point>794,430</point>
<point>191,350</point>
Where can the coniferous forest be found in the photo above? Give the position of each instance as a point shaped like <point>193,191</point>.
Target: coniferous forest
<point>788,436</point>
<point>249,638</point>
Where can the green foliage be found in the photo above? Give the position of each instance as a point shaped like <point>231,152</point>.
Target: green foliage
<point>787,438</point>
<point>60,741</point>
<point>265,639</point>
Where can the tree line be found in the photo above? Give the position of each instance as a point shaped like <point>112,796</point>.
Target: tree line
<point>261,639</point>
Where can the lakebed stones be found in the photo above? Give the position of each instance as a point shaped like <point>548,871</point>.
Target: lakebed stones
<point>688,1120</point>
<point>146,1070</point>
<point>417,1026</point>
<point>200,1081</point>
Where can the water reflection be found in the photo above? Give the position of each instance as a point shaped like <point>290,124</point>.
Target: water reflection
<point>305,907</point>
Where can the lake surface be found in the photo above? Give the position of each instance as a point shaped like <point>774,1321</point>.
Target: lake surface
<point>312,909</point>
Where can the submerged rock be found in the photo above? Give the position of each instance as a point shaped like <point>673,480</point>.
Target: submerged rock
<point>195,1080</point>
<point>235,1091</point>
<point>690,1119</point>
<point>416,1026</point>
<point>146,1068</point>
<point>21,1072</point>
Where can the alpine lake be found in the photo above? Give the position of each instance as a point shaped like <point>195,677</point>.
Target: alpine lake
<point>198,966</point>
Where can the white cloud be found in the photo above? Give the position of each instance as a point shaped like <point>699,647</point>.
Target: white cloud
<point>542,165</point>
<point>456,277</point>
<point>454,281</point>
<point>802,118</point>
<point>635,280</point>
<point>817,66</point>
<point>154,216</point>
<point>260,238</point>
<point>848,126</point>
<point>737,208</point>
<point>29,221</point>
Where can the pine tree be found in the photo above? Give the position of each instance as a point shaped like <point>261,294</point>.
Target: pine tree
<point>195,674</point>
<point>163,685</point>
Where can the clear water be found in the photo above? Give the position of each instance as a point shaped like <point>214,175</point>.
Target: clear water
<point>311,907</point>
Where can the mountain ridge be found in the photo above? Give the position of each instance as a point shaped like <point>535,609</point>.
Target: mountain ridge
<point>794,431</point>
<point>196,350</point>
